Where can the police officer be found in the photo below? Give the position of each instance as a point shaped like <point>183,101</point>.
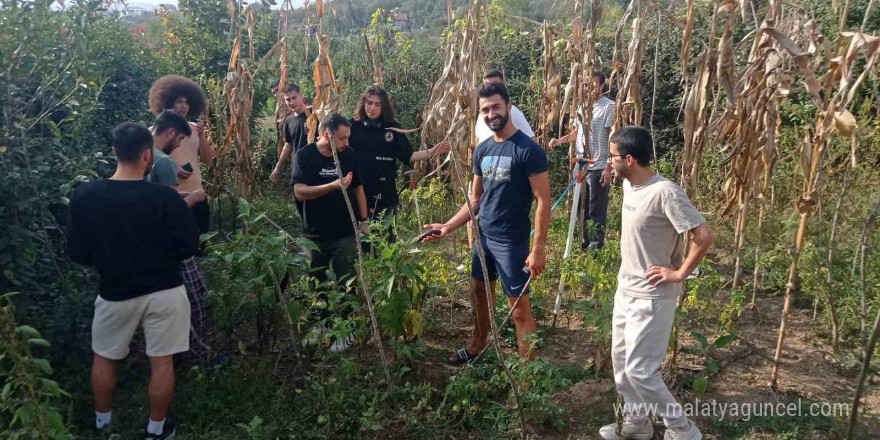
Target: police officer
<point>379,148</point>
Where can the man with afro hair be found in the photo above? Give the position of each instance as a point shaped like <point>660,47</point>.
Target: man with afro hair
<point>186,98</point>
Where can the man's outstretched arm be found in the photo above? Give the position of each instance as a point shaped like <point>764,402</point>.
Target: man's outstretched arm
<point>462,216</point>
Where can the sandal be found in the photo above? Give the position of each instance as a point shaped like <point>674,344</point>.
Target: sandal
<point>462,356</point>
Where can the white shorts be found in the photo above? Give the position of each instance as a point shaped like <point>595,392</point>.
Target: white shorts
<point>164,316</point>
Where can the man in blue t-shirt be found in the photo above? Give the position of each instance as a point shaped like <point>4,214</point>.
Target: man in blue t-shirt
<point>509,170</point>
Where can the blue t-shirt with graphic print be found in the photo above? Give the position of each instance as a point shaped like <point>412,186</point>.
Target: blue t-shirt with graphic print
<point>507,194</point>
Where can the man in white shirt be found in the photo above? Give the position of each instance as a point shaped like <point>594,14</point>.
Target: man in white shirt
<point>599,177</point>
<point>655,213</point>
<point>483,132</point>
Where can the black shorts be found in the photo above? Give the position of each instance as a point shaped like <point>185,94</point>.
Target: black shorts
<point>504,258</point>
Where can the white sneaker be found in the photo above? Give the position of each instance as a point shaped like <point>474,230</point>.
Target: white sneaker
<point>341,345</point>
<point>315,335</point>
<point>691,433</point>
<point>630,430</point>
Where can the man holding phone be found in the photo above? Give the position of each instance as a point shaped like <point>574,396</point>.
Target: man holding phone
<point>186,98</point>
<point>170,129</point>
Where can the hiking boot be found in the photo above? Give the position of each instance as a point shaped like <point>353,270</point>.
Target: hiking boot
<point>643,430</point>
<point>689,433</point>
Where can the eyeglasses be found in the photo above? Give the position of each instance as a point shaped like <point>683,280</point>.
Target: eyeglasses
<point>612,156</point>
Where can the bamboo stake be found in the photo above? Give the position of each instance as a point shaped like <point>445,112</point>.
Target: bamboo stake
<point>301,365</point>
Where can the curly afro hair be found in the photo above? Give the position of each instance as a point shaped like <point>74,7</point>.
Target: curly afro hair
<point>168,88</point>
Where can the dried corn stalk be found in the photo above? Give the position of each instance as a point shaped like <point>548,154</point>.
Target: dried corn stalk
<point>616,66</point>
<point>749,135</point>
<point>377,68</point>
<point>238,92</point>
<point>686,40</point>
<point>217,116</point>
<point>629,95</point>
<point>587,92</point>
<point>581,91</point>
<point>574,49</point>
<point>695,114</point>
<point>327,99</point>
<point>550,105</point>
<point>281,109</point>
<point>451,110</point>
<point>833,118</point>
<point>774,18</point>
<point>696,109</point>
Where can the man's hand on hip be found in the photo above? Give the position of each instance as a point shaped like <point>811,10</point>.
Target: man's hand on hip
<point>659,275</point>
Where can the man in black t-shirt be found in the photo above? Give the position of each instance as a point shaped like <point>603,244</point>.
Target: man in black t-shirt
<point>317,189</point>
<point>509,171</point>
<point>135,233</point>
<point>379,148</point>
<point>295,131</point>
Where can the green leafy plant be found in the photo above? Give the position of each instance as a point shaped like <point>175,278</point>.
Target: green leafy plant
<point>28,402</point>
<point>246,270</point>
<point>400,288</point>
<point>701,381</point>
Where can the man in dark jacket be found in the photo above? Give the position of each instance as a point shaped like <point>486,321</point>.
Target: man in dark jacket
<point>379,148</point>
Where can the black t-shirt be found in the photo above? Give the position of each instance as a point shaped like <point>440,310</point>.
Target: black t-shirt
<point>507,193</point>
<point>295,131</point>
<point>134,232</point>
<point>378,150</point>
<point>325,217</point>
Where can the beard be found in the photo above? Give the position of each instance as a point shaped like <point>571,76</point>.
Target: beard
<point>496,124</point>
<point>165,148</point>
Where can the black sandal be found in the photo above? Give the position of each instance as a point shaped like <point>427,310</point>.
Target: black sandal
<point>462,356</point>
